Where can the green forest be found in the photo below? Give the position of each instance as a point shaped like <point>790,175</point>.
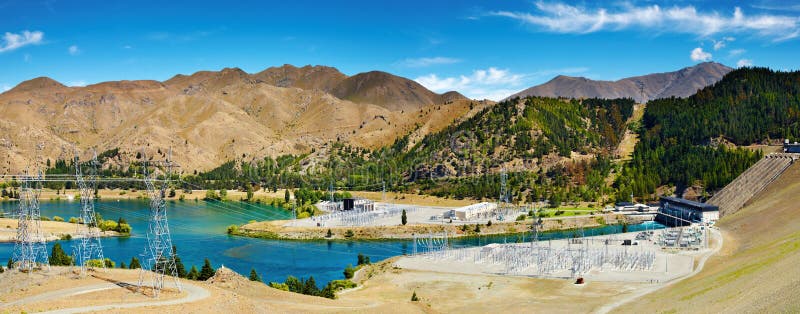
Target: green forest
<point>676,147</point>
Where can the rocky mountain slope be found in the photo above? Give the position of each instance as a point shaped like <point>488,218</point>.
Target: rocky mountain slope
<point>681,83</point>
<point>213,116</point>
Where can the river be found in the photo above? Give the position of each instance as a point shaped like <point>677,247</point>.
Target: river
<point>198,230</point>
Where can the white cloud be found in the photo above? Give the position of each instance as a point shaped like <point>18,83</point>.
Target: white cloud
<point>736,52</point>
<point>127,47</point>
<point>73,50</point>
<point>719,44</point>
<point>744,63</point>
<point>492,83</point>
<point>425,62</point>
<point>565,18</point>
<point>13,41</point>
<point>698,55</point>
<point>78,83</point>
<point>4,88</point>
<point>26,57</point>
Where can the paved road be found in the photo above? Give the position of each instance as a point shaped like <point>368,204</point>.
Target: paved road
<point>611,306</point>
<point>194,293</point>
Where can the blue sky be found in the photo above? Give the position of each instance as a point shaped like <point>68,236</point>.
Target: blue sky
<point>484,49</point>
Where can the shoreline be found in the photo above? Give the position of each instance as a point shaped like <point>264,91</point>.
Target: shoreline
<point>276,229</point>
<point>51,231</point>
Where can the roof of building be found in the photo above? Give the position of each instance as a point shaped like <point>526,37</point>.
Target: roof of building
<point>477,207</point>
<point>623,204</point>
<point>701,206</point>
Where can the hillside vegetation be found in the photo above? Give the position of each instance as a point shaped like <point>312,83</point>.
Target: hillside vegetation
<point>685,141</point>
<point>558,149</point>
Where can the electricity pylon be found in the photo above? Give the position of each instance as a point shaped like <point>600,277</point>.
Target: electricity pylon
<point>30,250</point>
<point>158,257</point>
<point>88,246</point>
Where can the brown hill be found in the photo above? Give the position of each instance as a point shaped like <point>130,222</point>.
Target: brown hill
<point>681,83</point>
<point>387,90</point>
<point>308,77</point>
<point>208,117</point>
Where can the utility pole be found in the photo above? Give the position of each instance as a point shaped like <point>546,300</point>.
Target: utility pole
<point>640,84</point>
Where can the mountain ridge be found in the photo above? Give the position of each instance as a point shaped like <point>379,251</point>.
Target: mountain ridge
<point>680,83</point>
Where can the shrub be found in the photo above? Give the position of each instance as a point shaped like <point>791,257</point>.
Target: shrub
<point>338,285</point>
<point>349,234</point>
<point>233,229</point>
<point>349,271</point>
<point>57,218</point>
<point>107,263</point>
<point>522,217</point>
<point>414,297</point>
<point>279,286</point>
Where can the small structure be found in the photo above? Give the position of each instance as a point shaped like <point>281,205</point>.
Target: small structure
<point>474,211</point>
<point>359,204</point>
<point>677,209</point>
<point>791,147</point>
<point>631,207</point>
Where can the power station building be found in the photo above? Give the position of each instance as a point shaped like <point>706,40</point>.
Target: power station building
<point>358,204</point>
<point>474,211</point>
<point>678,211</point>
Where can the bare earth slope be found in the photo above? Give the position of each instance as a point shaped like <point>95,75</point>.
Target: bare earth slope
<point>757,269</point>
<point>681,83</point>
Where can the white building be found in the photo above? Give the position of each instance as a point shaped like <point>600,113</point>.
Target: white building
<point>474,211</point>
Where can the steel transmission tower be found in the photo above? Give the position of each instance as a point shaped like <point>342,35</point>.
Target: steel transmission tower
<point>88,245</point>
<point>158,256</point>
<point>503,187</point>
<point>30,249</point>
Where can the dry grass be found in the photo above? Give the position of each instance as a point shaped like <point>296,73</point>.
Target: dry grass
<point>51,230</point>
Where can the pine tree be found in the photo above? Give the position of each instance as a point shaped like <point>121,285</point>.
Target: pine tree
<point>254,276</point>
<point>330,234</point>
<point>134,263</point>
<point>286,196</point>
<point>206,271</point>
<point>310,287</point>
<point>58,257</point>
<point>403,218</point>
<point>414,297</point>
<point>179,267</point>
<point>122,265</point>
<point>360,259</point>
<point>10,263</point>
<point>193,273</point>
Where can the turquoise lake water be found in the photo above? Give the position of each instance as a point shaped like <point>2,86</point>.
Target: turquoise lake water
<point>198,230</point>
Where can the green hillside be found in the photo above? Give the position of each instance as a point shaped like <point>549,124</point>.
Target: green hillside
<point>683,139</point>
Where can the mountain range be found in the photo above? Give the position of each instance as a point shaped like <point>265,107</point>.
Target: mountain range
<point>681,83</point>
<point>210,117</point>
